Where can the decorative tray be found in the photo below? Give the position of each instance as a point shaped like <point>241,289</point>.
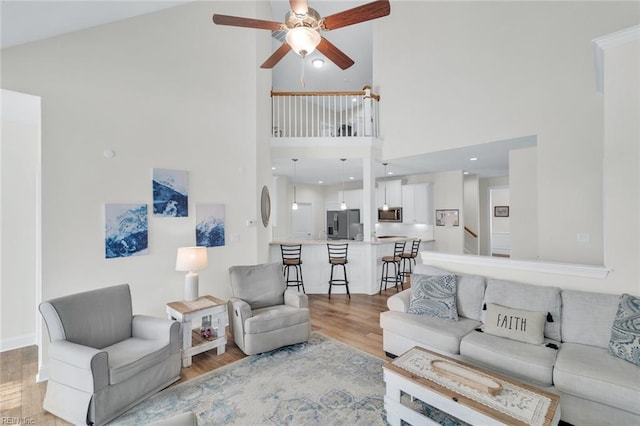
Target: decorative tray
<point>467,376</point>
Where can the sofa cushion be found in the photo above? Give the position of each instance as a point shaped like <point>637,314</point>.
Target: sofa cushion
<point>275,318</point>
<point>436,333</point>
<point>469,294</point>
<point>434,295</point>
<point>133,355</point>
<point>530,297</point>
<point>516,324</point>
<point>525,361</point>
<point>258,285</point>
<point>582,323</point>
<point>625,333</point>
<point>591,372</point>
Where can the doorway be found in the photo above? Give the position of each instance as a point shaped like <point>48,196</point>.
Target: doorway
<point>302,222</point>
<point>499,223</point>
<point>20,221</point>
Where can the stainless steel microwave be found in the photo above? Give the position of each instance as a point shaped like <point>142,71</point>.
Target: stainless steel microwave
<point>393,214</point>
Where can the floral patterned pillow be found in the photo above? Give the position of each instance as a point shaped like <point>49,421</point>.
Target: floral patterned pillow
<point>434,295</point>
<point>625,333</point>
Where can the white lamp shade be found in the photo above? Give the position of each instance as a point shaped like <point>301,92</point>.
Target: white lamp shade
<point>303,40</point>
<point>191,258</point>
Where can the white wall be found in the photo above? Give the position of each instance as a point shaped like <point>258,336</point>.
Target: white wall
<point>622,163</point>
<point>161,90</point>
<point>448,194</point>
<point>500,197</point>
<point>524,203</point>
<point>20,161</point>
<point>488,71</point>
<point>471,212</point>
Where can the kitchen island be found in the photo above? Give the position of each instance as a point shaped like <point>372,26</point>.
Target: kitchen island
<point>363,270</point>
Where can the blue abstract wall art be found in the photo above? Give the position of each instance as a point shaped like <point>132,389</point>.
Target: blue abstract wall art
<point>126,231</point>
<point>170,193</point>
<point>210,225</point>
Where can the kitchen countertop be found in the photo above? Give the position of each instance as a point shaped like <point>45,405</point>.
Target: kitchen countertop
<point>373,241</point>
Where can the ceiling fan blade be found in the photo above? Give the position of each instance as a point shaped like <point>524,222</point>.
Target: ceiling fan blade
<point>366,12</point>
<point>236,21</point>
<point>299,7</point>
<point>336,55</point>
<point>276,56</point>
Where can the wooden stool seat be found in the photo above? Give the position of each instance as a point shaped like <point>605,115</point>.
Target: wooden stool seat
<point>391,258</point>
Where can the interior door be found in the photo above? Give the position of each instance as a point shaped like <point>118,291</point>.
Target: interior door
<point>302,222</point>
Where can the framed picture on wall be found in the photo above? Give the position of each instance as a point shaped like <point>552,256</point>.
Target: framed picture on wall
<point>501,211</point>
<point>448,217</point>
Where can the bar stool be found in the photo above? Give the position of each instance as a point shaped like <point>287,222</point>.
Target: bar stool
<point>338,257</point>
<point>408,257</point>
<point>292,258</point>
<point>398,249</point>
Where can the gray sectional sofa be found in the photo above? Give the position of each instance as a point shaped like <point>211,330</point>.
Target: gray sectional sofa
<point>595,387</point>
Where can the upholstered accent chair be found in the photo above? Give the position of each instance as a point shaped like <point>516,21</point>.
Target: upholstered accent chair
<point>103,359</point>
<point>263,313</point>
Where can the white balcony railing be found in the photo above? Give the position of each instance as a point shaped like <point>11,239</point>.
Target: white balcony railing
<point>325,114</point>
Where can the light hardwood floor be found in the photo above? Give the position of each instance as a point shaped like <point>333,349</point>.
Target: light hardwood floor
<point>355,322</point>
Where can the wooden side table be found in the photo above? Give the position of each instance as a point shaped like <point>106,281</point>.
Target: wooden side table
<point>186,311</point>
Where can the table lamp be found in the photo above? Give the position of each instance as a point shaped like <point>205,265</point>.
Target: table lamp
<point>191,259</point>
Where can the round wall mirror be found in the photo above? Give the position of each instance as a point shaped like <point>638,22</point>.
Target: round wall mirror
<point>265,206</point>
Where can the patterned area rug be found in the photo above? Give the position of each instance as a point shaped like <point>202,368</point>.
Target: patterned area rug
<point>321,382</point>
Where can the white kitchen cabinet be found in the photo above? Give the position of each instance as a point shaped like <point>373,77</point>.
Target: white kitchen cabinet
<point>353,198</point>
<point>394,193</point>
<point>417,203</point>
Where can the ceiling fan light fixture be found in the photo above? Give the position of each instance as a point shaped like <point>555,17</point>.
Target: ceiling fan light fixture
<point>303,40</point>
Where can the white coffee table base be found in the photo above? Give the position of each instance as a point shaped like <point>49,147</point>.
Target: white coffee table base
<point>398,382</point>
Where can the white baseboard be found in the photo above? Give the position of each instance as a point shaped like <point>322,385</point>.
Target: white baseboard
<point>17,342</point>
<point>43,374</point>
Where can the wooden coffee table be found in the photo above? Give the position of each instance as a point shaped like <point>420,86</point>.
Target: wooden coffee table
<point>414,374</point>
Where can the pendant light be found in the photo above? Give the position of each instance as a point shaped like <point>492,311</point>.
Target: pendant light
<point>385,206</point>
<point>343,205</point>
<point>294,205</point>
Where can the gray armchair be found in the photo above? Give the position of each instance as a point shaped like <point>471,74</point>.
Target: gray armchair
<point>103,359</point>
<point>262,315</point>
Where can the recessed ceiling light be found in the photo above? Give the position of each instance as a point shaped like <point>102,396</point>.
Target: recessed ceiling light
<point>351,178</point>
<point>473,159</point>
<point>320,182</point>
<point>273,168</point>
<point>389,173</point>
<point>318,62</point>
<point>465,173</point>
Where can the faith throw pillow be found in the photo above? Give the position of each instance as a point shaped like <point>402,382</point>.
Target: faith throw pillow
<point>516,324</point>
<point>434,295</point>
<point>625,333</point>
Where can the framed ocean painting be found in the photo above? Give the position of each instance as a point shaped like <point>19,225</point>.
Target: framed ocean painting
<point>126,230</point>
<point>170,193</point>
<point>210,225</point>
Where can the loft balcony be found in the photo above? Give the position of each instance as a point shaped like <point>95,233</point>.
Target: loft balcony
<point>325,119</point>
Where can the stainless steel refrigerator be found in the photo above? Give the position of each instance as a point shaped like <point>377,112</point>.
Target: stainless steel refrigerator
<point>343,224</point>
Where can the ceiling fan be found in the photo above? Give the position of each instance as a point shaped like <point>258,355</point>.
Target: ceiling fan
<point>303,25</point>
